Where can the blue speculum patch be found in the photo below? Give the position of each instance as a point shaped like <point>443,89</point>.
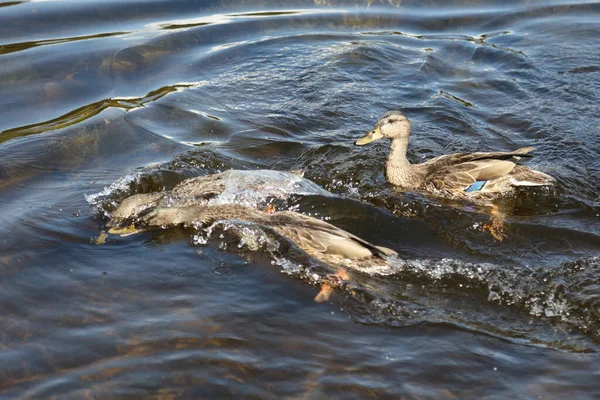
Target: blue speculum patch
<point>476,186</point>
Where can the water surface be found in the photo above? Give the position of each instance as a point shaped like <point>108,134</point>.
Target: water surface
<point>101,100</point>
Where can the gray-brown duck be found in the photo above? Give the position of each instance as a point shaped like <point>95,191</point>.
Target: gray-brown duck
<point>472,175</point>
<point>319,239</point>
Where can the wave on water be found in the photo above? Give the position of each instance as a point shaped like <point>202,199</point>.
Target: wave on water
<point>552,306</point>
<point>117,188</point>
<point>565,295</point>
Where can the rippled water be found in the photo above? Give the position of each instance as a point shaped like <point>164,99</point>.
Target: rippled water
<point>100,100</point>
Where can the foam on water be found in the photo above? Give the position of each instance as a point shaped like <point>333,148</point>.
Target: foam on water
<point>566,294</point>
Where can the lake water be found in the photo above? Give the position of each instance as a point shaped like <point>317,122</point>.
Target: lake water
<point>100,100</point>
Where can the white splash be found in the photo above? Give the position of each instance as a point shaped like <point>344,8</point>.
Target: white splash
<point>120,185</point>
<point>252,188</point>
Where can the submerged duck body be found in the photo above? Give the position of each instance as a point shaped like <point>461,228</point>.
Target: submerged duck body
<point>473,175</point>
<point>234,196</point>
<point>251,188</point>
<point>319,239</point>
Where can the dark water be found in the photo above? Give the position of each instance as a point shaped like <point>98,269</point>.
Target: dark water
<point>142,94</point>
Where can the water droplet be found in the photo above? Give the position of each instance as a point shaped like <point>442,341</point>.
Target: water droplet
<point>226,271</point>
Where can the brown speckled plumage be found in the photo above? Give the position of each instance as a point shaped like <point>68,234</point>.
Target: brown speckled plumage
<point>452,174</point>
<point>319,239</point>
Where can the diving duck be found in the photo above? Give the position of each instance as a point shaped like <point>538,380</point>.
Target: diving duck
<point>252,188</point>
<point>319,239</point>
<point>471,175</point>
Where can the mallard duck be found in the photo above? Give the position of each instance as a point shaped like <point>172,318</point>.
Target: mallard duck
<point>250,188</point>
<point>474,175</point>
<point>319,239</point>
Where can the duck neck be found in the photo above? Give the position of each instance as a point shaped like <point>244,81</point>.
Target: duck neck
<point>398,168</point>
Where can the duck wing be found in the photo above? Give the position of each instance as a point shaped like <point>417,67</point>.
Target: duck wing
<point>460,158</point>
<point>461,176</point>
<point>461,170</point>
<point>313,235</point>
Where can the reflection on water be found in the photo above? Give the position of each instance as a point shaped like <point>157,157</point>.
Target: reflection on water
<point>100,101</point>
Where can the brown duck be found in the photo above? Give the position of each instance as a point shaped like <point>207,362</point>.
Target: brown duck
<point>319,239</point>
<point>474,175</point>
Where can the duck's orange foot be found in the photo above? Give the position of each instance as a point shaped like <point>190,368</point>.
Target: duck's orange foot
<point>331,281</point>
<point>496,225</point>
<point>270,209</point>
<point>337,279</point>
<point>325,293</point>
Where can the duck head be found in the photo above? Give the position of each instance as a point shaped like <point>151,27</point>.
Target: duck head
<point>392,125</point>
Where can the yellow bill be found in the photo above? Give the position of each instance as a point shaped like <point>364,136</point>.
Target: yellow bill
<point>372,136</point>
<point>124,231</point>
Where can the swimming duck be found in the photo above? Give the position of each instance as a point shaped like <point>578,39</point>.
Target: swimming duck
<point>472,175</point>
<point>319,239</point>
<point>251,188</point>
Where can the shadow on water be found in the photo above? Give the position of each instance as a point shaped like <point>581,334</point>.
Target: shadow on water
<point>103,101</point>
